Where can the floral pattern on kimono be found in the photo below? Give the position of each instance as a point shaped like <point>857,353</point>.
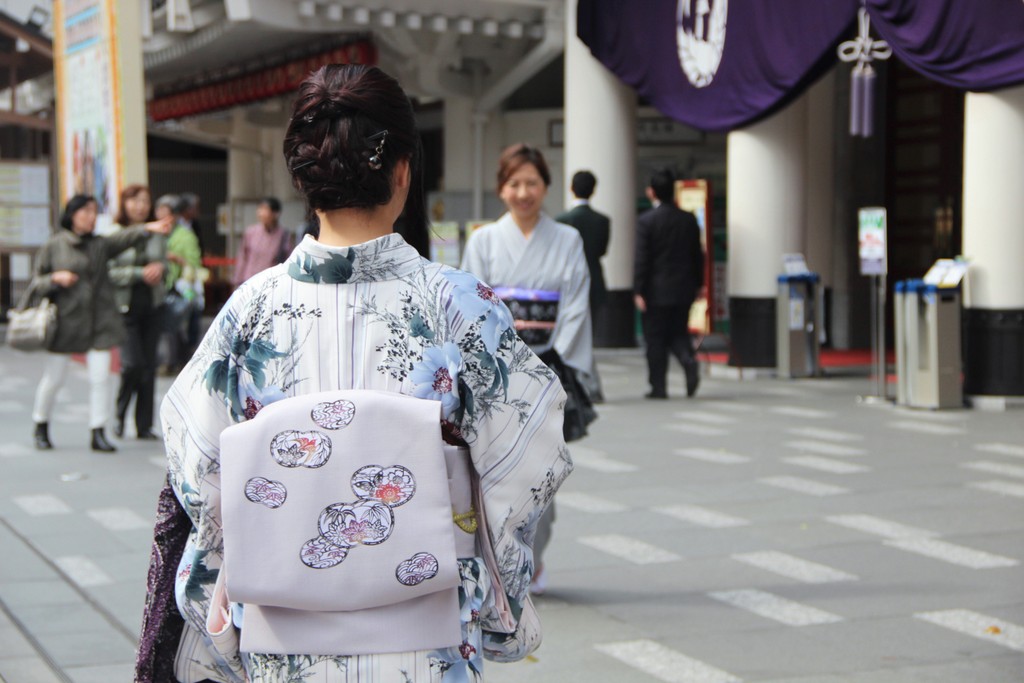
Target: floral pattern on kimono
<point>373,316</point>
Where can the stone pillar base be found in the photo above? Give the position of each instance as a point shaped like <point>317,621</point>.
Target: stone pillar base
<point>752,332</point>
<point>993,352</point>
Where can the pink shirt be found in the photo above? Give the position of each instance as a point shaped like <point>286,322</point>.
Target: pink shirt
<point>261,249</point>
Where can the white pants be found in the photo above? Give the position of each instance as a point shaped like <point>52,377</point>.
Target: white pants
<point>98,364</point>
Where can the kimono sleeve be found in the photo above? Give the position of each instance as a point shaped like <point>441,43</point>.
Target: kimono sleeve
<point>573,332</point>
<point>510,414</point>
<point>194,413</point>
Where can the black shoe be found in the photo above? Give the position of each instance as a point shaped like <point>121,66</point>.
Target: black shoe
<point>42,436</point>
<point>100,443</point>
<point>148,435</point>
<point>119,428</point>
<point>656,395</point>
<point>692,378</point>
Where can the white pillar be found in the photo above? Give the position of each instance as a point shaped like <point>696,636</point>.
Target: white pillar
<point>993,218</point>
<point>993,242</point>
<point>820,193</point>
<point>600,136</point>
<point>765,208</point>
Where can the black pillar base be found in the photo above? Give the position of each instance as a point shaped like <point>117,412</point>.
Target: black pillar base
<point>615,322</point>
<point>994,352</point>
<point>752,332</point>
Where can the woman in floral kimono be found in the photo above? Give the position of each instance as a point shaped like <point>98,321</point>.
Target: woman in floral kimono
<point>538,268</point>
<point>359,308</point>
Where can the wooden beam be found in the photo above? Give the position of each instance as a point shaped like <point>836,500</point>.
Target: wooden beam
<point>8,118</point>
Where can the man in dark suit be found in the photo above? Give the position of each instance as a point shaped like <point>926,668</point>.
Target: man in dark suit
<point>667,276</point>
<point>595,228</point>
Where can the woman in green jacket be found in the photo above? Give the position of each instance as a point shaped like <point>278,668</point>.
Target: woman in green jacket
<point>72,268</point>
<point>138,277</point>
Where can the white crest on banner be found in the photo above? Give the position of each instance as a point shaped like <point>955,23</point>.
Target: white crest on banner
<point>701,42</point>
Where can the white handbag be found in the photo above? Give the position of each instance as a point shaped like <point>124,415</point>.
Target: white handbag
<point>31,328</point>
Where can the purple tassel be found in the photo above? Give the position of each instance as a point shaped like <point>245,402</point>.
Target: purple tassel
<point>856,110</point>
<point>867,101</point>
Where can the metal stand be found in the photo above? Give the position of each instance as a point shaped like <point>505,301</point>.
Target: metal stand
<point>878,343</point>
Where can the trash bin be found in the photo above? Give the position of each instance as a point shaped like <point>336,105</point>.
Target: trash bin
<point>905,311</point>
<point>935,361</point>
<point>798,321</point>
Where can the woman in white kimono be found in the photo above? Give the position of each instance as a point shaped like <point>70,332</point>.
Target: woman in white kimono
<point>359,308</point>
<point>538,268</point>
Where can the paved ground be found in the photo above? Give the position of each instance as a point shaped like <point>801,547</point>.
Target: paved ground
<point>764,531</point>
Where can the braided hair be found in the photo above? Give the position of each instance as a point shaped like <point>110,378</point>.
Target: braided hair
<point>350,125</point>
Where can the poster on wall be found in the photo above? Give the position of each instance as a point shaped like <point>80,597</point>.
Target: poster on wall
<point>88,126</point>
<point>871,226</point>
<point>24,203</point>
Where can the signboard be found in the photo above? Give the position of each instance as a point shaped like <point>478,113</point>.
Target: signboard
<point>445,244</point>
<point>25,216</point>
<point>98,82</point>
<point>871,227</point>
<point>946,273</point>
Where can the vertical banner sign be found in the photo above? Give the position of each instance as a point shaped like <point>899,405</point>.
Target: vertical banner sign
<point>695,196</point>
<point>871,225</point>
<point>94,45</point>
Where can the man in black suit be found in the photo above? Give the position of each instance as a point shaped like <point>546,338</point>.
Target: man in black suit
<point>667,276</point>
<point>595,228</point>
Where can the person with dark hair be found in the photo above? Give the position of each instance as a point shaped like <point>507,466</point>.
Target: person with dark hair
<point>184,288</point>
<point>71,269</point>
<point>356,309</point>
<point>537,266</point>
<point>264,244</point>
<point>595,229</point>
<point>668,274</point>
<point>139,291</point>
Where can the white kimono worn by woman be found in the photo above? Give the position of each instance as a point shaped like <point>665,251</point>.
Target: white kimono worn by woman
<point>373,316</point>
<point>550,259</point>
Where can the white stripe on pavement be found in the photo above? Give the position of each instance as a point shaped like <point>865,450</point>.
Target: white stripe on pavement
<point>710,418</point>
<point>663,663</point>
<point>825,448</point>
<point>815,462</point>
<point>585,502</point>
<point>978,625</point>
<point>119,519</point>
<point>995,468</point>
<point>629,549</point>
<point>822,433</point>
<point>699,516</point>
<point>776,608</point>
<point>949,552</point>
<point>83,571</point>
<point>15,450</point>
<point>596,460</point>
<point>43,504</point>
<point>793,567</point>
<point>717,456</point>
<point>880,527</point>
<point>1001,449</point>
<point>927,428</point>
<point>807,486</point>
<point>733,406</point>
<point>796,411</point>
<point>696,429</point>
<point>1005,488</point>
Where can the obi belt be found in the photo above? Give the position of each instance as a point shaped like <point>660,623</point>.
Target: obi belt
<point>534,311</point>
<point>338,526</point>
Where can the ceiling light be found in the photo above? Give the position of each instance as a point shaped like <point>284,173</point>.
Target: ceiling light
<point>386,18</point>
<point>514,29</point>
<point>465,25</point>
<point>307,9</point>
<point>439,23</point>
<point>490,27</point>
<point>361,15</point>
<point>334,12</point>
<point>414,21</point>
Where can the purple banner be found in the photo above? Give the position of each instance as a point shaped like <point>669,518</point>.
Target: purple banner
<point>716,64</point>
<point>721,64</point>
<point>976,45</point>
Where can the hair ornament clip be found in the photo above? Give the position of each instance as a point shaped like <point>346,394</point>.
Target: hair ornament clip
<point>376,162</point>
<point>308,118</point>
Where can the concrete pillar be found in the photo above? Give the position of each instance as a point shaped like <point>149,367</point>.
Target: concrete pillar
<point>604,144</point>
<point>458,145</point>
<point>993,242</point>
<point>765,210</point>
